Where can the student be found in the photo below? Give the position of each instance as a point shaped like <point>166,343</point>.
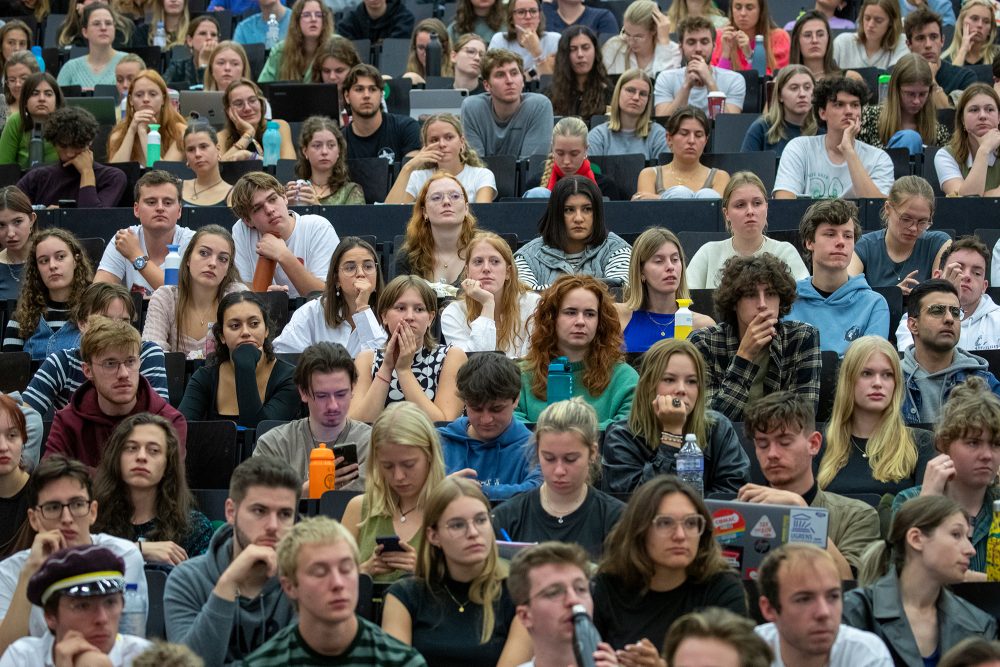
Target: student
<point>924,29</point>
<point>907,251</point>
<point>868,447</point>
<point>644,42</point>
<point>323,166</point>
<point>722,636</point>
<point>246,121</point>
<point>321,631</point>
<point>877,42</point>
<point>334,60</point>
<point>253,29</point>
<point>75,176</point>
<point>580,84</point>
<point>18,455</point>
<point>479,18</point>
<point>684,177</point>
<point>202,156</point>
<point>734,44</point>
<point>967,165</point>
<point>126,71</point>
<point>789,114</point>
<point>975,34</point>
<point>290,59</point>
<point>202,37</point>
<point>782,426</point>
<point>489,445</point>
<point>98,66</point>
<point>568,157</point>
<point>527,37</point>
<point>567,506</point>
<point>325,377</point>
<point>495,308</point>
<point>455,570</point>
<point>17,230</point>
<point>373,132</point>
<point>906,581</point>
<point>345,312</point>
<point>843,307</point>
<point>297,246</point>
<point>376,20</point>
<point>138,253</point>
<point>40,96</point>
<point>147,104</point>
<point>227,62</point>
<point>227,602</point>
<point>506,120</point>
<point>668,404</point>
<point>565,14</point>
<point>576,319</point>
<point>801,597</point>
<point>416,63</point>
<point>834,164</point>
<point>16,70</point>
<point>630,127</point>
<point>755,337</point>
<point>71,30</point>
<point>812,44</point>
<point>707,8</point>
<point>467,56</point>
<point>690,84</point>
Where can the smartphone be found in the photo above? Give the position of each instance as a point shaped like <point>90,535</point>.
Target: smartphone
<point>349,452</point>
<point>389,543</point>
<point>67,203</point>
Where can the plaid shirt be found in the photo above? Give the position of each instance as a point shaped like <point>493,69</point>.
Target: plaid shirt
<point>794,365</point>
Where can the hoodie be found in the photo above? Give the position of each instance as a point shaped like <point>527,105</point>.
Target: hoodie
<point>925,392</point>
<point>503,465</point>
<point>81,429</point>
<point>980,330</point>
<point>540,265</point>
<point>852,311</point>
<point>220,631</point>
<point>396,22</point>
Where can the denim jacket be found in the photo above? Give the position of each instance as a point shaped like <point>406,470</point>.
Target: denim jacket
<point>964,366</point>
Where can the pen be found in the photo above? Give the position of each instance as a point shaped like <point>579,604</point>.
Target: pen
<point>505,535</point>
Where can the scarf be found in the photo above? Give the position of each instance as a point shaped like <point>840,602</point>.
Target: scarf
<point>557,173</point>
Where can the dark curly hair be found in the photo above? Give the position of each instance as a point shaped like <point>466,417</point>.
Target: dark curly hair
<point>173,498</point>
<point>222,353</point>
<point>827,89</point>
<point>605,350</point>
<point>34,294</point>
<point>563,92</point>
<point>740,277</point>
<point>72,127</point>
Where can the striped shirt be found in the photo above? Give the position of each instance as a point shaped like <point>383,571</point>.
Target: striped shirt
<point>56,315</point>
<point>371,646</point>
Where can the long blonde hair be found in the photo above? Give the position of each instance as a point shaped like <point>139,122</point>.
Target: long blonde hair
<point>226,45</point>
<point>174,37</point>
<point>775,114</point>
<point>640,13</point>
<point>989,48</point>
<point>636,296</point>
<point>570,126</point>
<point>910,70</point>
<point>508,308</point>
<point>642,420</point>
<point>295,60</point>
<point>679,11</point>
<point>891,450</point>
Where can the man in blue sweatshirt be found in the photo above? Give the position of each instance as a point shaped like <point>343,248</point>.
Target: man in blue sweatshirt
<point>841,307</point>
<point>489,444</point>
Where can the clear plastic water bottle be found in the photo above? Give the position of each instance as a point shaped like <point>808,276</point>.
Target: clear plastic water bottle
<point>883,87</point>
<point>171,265</point>
<point>37,52</point>
<point>272,144</point>
<point>691,464</point>
<point>758,60</point>
<point>560,381</point>
<point>133,618</point>
<point>153,145</point>
<point>160,35</point>
<point>585,637</point>
<point>273,33</point>
<point>432,57</point>
<point>36,147</point>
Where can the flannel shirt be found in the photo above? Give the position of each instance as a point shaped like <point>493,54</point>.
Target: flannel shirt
<point>794,365</point>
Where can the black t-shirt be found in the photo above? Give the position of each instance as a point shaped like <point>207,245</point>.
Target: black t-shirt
<point>624,616</point>
<point>397,136</point>
<point>856,475</point>
<point>951,77</point>
<point>525,521</point>
<point>13,514</point>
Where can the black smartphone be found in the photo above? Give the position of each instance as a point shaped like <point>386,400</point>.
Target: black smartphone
<point>349,452</point>
<point>67,203</point>
<point>389,543</point>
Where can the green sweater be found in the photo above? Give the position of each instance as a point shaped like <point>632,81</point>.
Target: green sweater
<point>273,65</point>
<point>14,144</point>
<point>613,404</point>
<point>371,646</point>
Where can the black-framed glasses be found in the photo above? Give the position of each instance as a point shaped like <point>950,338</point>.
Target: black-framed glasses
<point>53,510</point>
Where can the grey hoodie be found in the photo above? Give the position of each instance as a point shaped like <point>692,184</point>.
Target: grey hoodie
<point>927,392</point>
<point>219,631</point>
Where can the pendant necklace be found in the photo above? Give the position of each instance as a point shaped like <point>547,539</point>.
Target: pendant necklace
<point>402,514</point>
<point>194,188</point>
<point>854,442</point>
<point>461,605</point>
<point>662,325</point>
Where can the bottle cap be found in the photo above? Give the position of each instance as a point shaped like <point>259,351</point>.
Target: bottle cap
<point>996,505</point>
<point>320,452</point>
<point>883,78</point>
<point>272,125</point>
<point>580,609</point>
<point>131,587</point>
<point>172,247</point>
<point>153,127</point>
<point>684,303</point>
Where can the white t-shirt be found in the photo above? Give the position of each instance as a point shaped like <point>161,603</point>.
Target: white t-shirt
<point>313,241</point>
<point>852,648</point>
<point>35,651</point>
<point>115,263</point>
<point>548,40</point>
<point>947,167</point>
<point>308,326</point>
<point>849,53</point>
<point>617,57</point>
<point>472,179</point>
<point>481,334</point>
<point>669,83</point>
<point>805,169</point>
<point>704,268</point>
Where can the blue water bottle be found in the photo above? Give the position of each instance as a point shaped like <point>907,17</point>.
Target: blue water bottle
<point>759,59</point>
<point>272,144</point>
<point>560,381</point>
<point>172,266</point>
<point>37,52</point>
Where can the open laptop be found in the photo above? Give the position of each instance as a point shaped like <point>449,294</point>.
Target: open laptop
<point>104,109</point>
<point>206,103</point>
<point>747,532</point>
<point>424,103</point>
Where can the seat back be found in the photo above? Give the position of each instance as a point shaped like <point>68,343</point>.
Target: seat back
<point>213,452</point>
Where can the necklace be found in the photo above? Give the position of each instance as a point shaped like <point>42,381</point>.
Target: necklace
<point>194,188</point>
<point>662,325</point>
<point>732,242</point>
<point>461,605</point>
<point>402,514</point>
<point>854,442</point>
<point>676,174</point>
<point>4,257</point>
<point>547,505</point>
<point>317,188</point>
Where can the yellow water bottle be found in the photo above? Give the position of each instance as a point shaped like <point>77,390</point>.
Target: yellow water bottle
<point>683,319</point>
<point>322,471</point>
<point>993,546</point>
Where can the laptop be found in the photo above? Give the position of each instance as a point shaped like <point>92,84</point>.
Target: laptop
<point>206,103</point>
<point>424,103</point>
<point>104,109</point>
<point>747,532</point>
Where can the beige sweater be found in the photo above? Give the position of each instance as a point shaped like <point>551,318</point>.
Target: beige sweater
<point>161,322</point>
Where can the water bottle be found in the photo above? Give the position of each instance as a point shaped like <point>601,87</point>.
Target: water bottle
<point>683,319</point>
<point>153,145</point>
<point>133,618</point>
<point>322,471</point>
<point>758,60</point>
<point>123,107</point>
<point>36,147</point>
<point>585,637</point>
<point>993,546</point>
<point>560,381</point>
<point>691,464</point>
<point>272,144</point>
<point>273,33</point>
<point>37,52</point>
<point>432,57</point>
<point>160,36</point>
<point>171,265</point>
<point>883,88</point>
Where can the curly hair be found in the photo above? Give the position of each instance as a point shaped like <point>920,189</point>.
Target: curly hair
<point>72,127</point>
<point>605,350</point>
<point>222,353</point>
<point>432,27</point>
<point>337,47</point>
<point>295,59</point>
<point>564,91</point>
<point>828,88</point>
<point>34,294</point>
<point>419,244</point>
<point>173,498</point>
<point>303,169</point>
<point>508,306</point>
<point>172,125</point>
<point>335,308</point>
<point>466,17</point>
<point>740,277</point>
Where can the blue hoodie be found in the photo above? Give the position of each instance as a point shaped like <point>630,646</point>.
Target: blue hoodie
<point>853,311</point>
<point>503,465</point>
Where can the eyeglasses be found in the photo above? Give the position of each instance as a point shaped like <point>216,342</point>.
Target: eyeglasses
<point>633,38</point>
<point>908,222</point>
<point>351,268</point>
<point>473,51</point>
<point>643,94</point>
<point>521,13</point>
<point>312,15</point>
<point>250,102</point>
<point>939,309</point>
<point>453,197</point>
<point>78,507</point>
<point>560,591</point>
<point>460,527</point>
<point>112,365</point>
<point>693,524</point>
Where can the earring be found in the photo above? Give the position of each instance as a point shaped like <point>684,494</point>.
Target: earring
<point>338,290</point>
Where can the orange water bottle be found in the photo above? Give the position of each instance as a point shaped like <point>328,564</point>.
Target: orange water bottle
<point>322,471</point>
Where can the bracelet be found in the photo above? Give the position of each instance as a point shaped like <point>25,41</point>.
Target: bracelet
<point>668,438</point>
<point>379,376</point>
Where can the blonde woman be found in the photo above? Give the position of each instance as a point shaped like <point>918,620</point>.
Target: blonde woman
<point>147,104</point>
<point>968,165</point>
<point>175,17</point>
<point>789,114</point>
<point>869,449</point>
<point>404,466</point>
<point>569,157</point>
<point>681,9</point>
<point>656,281</point>
<point>644,42</point>
<point>308,29</point>
<point>975,34</point>
<point>467,53</point>
<point>630,128</point>
<point>458,569</point>
<point>227,62</point>
<point>416,64</point>
<point>908,119</point>
<point>879,41</point>
<point>495,308</point>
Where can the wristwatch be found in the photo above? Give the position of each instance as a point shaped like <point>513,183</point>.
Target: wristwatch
<point>139,263</point>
